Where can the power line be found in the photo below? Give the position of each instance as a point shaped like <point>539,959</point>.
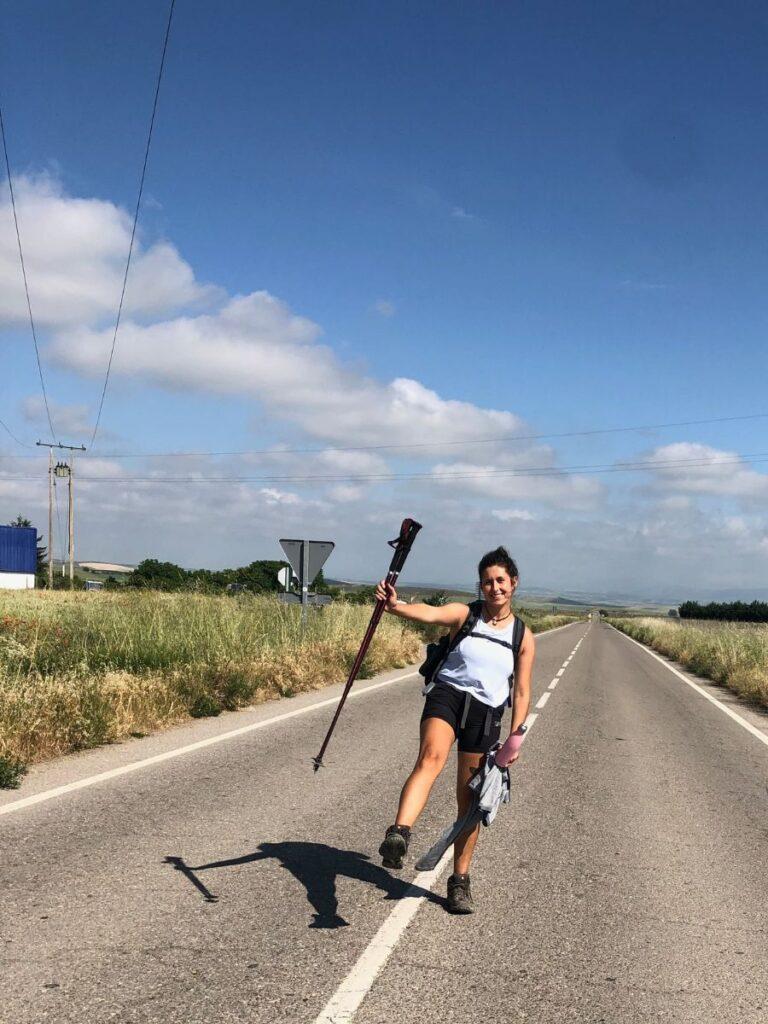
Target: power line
<point>10,433</point>
<point>491,473</point>
<point>24,276</point>
<point>417,445</point>
<point>135,222</point>
<point>440,444</point>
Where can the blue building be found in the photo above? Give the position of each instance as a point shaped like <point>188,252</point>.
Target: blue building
<point>18,557</point>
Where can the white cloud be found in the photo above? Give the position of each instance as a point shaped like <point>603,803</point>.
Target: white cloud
<point>675,502</point>
<point>508,515</point>
<point>272,496</point>
<point>561,489</point>
<point>68,419</point>
<point>736,526</point>
<point>719,473</point>
<point>75,252</point>
<point>256,347</point>
<point>384,308</point>
<point>344,493</point>
<point>459,213</point>
<point>352,463</point>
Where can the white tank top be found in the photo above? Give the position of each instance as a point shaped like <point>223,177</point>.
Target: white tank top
<point>481,666</point>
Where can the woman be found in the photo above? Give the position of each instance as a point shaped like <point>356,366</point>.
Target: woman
<point>467,704</point>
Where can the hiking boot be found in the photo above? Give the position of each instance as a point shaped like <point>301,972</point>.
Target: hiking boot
<point>395,846</point>
<point>459,895</point>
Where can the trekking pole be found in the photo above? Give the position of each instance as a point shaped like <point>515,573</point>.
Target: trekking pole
<point>402,546</point>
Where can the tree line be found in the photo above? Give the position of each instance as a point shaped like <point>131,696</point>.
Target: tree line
<point>259,577</point>
<point>729,611</point>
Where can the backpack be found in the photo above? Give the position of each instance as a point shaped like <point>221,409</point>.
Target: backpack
<point>438,651</point>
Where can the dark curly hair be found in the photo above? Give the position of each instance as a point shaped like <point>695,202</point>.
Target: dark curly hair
<point>499,556</point>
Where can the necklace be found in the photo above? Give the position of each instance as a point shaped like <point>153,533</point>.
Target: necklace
<point>495,620</point>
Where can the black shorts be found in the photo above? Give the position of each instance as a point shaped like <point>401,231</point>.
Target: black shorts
<point>476,725</point>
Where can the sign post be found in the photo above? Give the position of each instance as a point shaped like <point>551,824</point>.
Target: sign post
<point>306,558</point>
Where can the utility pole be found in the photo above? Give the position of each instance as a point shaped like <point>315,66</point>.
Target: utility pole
<point>50,518</point>
<point>71,522</point>
<point>62,469</point>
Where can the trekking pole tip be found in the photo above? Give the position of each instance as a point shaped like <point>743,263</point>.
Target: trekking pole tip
<point>317,762</point>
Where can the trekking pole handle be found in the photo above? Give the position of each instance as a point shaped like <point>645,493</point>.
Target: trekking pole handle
<point>402,545</point>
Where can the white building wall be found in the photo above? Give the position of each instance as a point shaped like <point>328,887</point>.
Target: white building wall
<point>17,580</point>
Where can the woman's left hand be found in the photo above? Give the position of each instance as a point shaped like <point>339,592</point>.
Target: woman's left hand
<point>509,751</point>
<point>505,762</point>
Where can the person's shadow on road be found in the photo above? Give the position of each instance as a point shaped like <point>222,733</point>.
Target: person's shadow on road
<point>316,866</point>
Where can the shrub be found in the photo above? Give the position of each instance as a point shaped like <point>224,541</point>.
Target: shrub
<point>12,770</point>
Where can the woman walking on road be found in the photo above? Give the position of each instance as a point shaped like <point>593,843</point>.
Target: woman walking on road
<point>467,703</point>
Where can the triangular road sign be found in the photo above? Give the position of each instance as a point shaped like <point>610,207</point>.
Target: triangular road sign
<point>292,549</point>
<point>319,550</point>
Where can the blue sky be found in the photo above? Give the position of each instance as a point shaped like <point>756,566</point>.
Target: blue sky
<point>551,210</point>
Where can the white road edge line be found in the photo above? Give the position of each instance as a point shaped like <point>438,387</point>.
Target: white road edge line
<point>168,755</point>
<point>695,686</point>
<point>345,1001</point>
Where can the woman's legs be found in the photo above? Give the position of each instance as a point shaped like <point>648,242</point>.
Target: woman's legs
<point>437,738</point>
<point>464,846</point>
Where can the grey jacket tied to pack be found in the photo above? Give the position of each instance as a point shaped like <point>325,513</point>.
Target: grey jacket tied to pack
<point>490,789</point>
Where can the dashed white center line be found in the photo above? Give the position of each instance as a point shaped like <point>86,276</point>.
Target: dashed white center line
<point>543,700</point>
<point>559,672</point>
<point>529,722</point>
<point>553,684</point>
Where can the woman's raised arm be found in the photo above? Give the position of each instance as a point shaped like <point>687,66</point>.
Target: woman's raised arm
<point>444,615</point>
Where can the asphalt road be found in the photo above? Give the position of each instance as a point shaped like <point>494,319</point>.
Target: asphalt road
<point>626,882</point>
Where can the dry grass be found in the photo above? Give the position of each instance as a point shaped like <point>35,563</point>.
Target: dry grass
<point>78,670</point>
<point>732,654</point>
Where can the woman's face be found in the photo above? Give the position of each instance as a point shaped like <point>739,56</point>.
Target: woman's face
<point>497,585</point>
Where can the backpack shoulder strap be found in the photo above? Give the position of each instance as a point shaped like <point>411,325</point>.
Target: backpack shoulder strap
<point>475,614</point>
<point>517,635</point>
<point>517,641</point>
<point>475,611</point>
